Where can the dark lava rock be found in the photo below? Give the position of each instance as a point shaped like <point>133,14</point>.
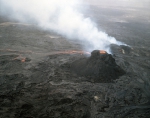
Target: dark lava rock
<point>100,67</point>
<point>122,49</point>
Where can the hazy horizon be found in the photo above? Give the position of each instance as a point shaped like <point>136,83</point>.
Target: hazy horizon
<point>121,3</point>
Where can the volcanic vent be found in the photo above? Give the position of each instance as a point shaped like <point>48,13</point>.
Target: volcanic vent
<point>99,67</point>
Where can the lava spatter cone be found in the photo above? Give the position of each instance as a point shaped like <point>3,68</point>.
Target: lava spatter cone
<point>100,67</point>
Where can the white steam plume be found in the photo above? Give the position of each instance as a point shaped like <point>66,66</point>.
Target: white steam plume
<point>60,16</point>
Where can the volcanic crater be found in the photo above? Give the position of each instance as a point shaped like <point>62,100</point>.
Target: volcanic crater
<point>45,75</point>
<point>99,67</point>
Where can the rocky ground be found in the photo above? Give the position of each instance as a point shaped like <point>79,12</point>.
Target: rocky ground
<point>37,81</point>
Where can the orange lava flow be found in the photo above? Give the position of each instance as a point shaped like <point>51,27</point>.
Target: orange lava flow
<point>102,52</point>
<point>47,53</point>
<point>15,51</point>
<point>23,60</point>
<point>74,52</point>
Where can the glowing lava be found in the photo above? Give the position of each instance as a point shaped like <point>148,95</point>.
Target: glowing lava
<point>23,60</point>
<point>102,52</point>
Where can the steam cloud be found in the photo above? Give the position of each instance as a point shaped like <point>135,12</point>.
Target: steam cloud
<point>60,16</point>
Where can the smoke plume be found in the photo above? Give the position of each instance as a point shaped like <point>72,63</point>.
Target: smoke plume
<point>61,16</point>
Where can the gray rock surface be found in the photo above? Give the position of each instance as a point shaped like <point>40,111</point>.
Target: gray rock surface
<point>36,79</point>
